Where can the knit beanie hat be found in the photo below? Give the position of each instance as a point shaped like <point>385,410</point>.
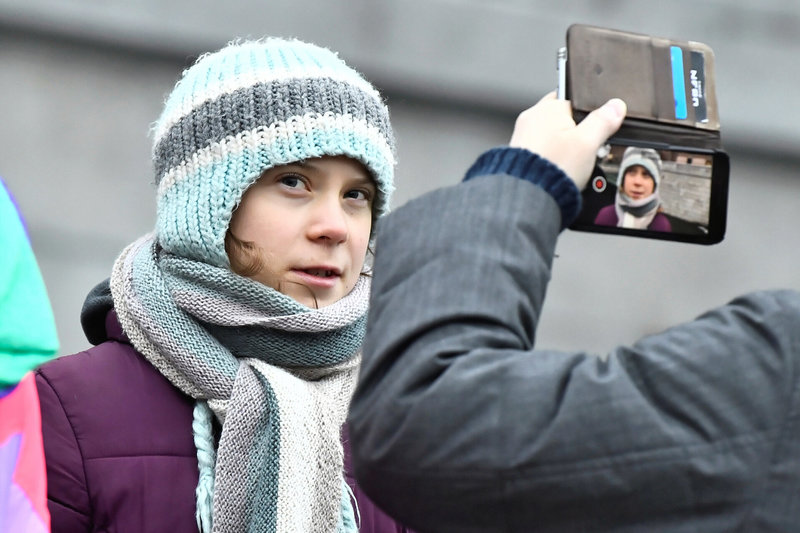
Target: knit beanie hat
<point>646,157</point>
<point>249,107</point>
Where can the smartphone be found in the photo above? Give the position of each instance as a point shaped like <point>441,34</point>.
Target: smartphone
<point>665,192</point>
<point>664,175</point>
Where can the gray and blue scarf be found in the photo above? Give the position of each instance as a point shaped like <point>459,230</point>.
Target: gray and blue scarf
<point>277,375</point>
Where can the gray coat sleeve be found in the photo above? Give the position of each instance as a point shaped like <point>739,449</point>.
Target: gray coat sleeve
<point>460,424</point>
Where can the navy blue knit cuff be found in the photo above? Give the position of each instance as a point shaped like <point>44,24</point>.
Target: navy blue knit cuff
<point>526,165</point>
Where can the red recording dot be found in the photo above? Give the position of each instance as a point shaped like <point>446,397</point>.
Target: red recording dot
<point>599,184</point>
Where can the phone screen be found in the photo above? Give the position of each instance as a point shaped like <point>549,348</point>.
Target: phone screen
<point>669,193</point>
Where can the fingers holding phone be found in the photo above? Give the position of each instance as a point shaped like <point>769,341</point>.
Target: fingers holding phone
<point>548,130</point>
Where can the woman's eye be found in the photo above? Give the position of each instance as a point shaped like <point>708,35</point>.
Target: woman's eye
<point>291,181</point>
<point>358,194</point>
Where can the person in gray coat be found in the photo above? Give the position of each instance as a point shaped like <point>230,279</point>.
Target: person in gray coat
<point>460,424</point>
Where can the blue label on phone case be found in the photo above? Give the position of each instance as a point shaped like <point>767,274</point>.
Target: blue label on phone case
<point>678,83</point>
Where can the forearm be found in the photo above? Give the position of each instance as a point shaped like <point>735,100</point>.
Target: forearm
<point>473,259</point>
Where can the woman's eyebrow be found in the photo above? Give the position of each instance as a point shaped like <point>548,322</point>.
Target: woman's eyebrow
<point>361,178</point>
<point>364,180</point>
<point>305,164</point>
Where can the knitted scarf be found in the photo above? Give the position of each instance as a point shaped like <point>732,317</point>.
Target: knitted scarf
<point>636,214</point>
<point>276,374</point>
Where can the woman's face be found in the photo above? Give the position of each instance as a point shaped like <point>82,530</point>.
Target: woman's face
<point>310,222</point>
<point>638,183</point>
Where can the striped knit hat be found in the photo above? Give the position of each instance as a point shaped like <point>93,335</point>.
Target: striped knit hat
<point>645,157</point>
<point>249,107</point>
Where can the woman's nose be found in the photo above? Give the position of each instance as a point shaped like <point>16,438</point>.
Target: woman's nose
<point>328,222</point>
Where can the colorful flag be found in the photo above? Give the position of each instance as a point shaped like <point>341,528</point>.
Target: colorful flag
<point>27,339</point>
<point>23,487</point>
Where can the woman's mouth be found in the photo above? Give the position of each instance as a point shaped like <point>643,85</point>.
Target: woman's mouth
<point>322,277</point>
<point>323,273</point>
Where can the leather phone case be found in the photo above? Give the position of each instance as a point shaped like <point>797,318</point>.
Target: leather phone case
<point>668,85</point>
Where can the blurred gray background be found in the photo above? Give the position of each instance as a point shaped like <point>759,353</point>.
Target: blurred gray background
<point>81,81</point>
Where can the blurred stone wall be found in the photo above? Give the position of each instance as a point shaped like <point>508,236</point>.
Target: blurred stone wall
<point>686,191</point>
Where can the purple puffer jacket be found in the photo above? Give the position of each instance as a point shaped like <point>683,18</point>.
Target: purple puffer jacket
<point>119,448</point>
<point>608,217</point>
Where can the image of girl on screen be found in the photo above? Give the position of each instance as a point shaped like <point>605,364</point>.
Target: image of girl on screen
<point>637,204</point>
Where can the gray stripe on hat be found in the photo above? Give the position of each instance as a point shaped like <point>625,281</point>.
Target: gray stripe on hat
<point>264,104</point>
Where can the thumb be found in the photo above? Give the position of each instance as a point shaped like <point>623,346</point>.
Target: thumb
<point>603,122</point>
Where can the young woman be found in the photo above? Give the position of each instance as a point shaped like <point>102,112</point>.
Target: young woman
<point>227,341</point>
